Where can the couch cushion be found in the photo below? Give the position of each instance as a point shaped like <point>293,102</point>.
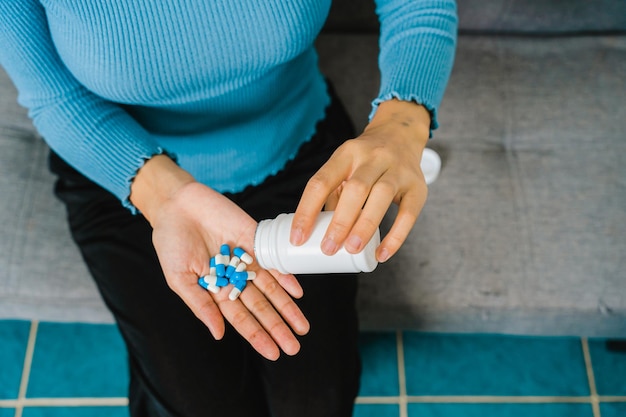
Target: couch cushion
<point>525,229</point>
<point>523,232</point>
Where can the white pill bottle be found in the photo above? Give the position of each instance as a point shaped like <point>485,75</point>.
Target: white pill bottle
<point>273,250</point>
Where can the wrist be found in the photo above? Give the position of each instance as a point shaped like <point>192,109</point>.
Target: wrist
<point>156,182</point>
<point>405,116</point>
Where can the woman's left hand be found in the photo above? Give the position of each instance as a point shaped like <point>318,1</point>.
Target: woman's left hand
<point>363,177</point>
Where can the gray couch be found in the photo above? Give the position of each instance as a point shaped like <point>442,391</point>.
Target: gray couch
<point>524,231</point>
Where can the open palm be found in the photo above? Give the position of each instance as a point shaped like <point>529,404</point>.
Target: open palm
<point>188,231</point>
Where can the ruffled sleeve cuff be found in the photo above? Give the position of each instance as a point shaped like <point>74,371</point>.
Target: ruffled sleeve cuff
<point>417,46</point>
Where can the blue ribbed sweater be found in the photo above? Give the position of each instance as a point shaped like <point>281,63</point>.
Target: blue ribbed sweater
<point>231,89</point>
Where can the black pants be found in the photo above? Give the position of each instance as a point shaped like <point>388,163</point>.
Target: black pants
<point>177,368</point>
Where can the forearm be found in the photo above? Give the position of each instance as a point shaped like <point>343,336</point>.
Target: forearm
<point>417,45</point>
<point>94,135</point>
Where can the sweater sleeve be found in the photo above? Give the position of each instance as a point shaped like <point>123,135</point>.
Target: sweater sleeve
<point>417,45</point>
<point>95,136</point>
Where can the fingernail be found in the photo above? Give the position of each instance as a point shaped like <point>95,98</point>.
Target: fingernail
<point>296,236</point>
<point>354,243</point>
<point>329,247</point>
<point>383,256</point>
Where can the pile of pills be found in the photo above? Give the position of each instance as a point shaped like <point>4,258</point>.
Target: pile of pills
<point>226,269</point>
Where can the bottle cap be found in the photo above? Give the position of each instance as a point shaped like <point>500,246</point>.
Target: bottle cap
<point>431,165</point>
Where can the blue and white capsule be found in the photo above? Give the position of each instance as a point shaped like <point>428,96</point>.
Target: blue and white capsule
<point>212,269</point>
<point>240,268</point>
<point>243,276</point>
<point>234,294</point>
<point>212,282</point>
<point>234,263</point>
<point>221,260</point>
<point>239,281</point>
<point>243,255</point>
<point>205,282</point>
<point>216,281</point>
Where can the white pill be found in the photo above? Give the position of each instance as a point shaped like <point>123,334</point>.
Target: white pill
<point>234,294</point>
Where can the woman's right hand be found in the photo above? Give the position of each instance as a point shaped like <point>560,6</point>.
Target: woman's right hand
<point>190,222</point>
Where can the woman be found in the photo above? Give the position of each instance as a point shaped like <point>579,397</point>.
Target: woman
<point>176,125</point>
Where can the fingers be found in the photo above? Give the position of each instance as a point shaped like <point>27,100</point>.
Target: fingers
<point>409,208</point>
<point>354,194</point>
<point>261,314</point>
<point>272,307</point>
<point>273,290</point>
<point>359,183</point>
<point>333,199</point>
<point>246,324</point>
<point>326,180</point>
<point>202,305</point>
<point>380,198</point>
<point>264,313</point>
<point>289,283</point>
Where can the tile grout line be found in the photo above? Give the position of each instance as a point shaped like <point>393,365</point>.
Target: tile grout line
<point>595,402</point>
<point>68,402</point>
<point>444,399</point>
<point>402,399</point>
<point>28,361</point>
<point>378,400</point>
<point>490,399</point>
<point>612,398</point>
<point>497,399</point>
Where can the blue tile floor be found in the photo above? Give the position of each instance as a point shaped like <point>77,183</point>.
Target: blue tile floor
<point>79,370</point>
